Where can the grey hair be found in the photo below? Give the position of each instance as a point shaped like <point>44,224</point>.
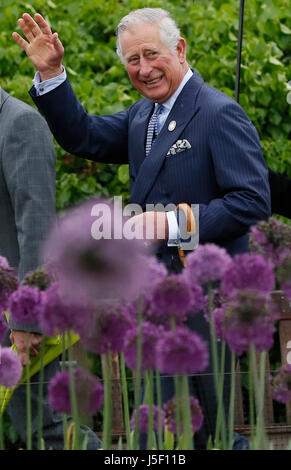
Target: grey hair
<point>168,29</point>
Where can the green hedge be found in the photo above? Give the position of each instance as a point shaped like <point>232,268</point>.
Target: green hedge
<point>87,30</point>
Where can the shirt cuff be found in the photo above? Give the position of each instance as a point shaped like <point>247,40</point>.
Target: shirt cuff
<point>174,231</point>
<point>48,85</point>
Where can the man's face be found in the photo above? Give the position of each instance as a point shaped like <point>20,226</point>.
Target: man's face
<point>152,68</point>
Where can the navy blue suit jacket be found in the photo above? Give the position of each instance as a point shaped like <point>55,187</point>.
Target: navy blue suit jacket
<point>224,170</point>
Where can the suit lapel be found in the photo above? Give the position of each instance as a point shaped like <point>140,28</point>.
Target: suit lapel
<point>139,128</point>
<point>182,112</point>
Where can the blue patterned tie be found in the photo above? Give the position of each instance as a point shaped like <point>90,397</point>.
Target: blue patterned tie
<point>152,128</point>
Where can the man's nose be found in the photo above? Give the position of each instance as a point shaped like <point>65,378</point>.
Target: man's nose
<point>145,67</point>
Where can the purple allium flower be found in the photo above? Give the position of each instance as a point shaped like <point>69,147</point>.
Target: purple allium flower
<point>206,264</point>
<point>3,327</point>
<point>60,315</point>
<point>92,262</point>
<point>248,271</point>
<point>88,389</point>
<point>109,328</point>
<point>155,272</point>
<point>8,283</point>
<point>10,367</point>
<point>170,415</point>
<point>172,297</point>
<point>272,239</point>
<point>281,384</point>
<point>26,304</point>
<point>181,351</point>
<point>144,418</point>
<point>150,335</point>
<point>249,318</point>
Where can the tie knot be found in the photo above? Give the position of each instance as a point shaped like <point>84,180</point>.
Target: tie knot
<point>159,109</point>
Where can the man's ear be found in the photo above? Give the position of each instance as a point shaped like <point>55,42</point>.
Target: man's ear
<point>181,50</point>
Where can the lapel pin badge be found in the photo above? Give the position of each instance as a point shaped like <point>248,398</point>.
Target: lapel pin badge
<point>172,126</point>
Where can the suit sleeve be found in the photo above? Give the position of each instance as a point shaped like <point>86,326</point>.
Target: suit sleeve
<point>99,138</point>
<point>29,167</point>
<point>241,175</point>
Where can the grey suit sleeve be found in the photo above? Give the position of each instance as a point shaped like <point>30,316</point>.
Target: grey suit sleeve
<point>29,168</point>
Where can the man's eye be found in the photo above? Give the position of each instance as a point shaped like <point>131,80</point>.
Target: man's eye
<point>133,60</point>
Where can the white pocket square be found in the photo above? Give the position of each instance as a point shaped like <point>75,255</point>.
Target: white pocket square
<point>179,146</point>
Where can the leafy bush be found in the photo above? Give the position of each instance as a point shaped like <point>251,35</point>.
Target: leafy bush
<point>87,31</point>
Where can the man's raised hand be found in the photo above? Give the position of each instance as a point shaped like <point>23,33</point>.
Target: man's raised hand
<point>43,47</point>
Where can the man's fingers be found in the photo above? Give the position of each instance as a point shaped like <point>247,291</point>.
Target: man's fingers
<point>28,24</point>
<point>58,45</point>
<point>23,44</point>
<point>44,26</point>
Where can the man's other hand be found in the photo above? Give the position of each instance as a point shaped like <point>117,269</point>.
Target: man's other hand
<point>43,47</point>
<point>24,339</point>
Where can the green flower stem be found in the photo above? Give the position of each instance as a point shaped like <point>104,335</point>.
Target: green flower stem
<point>64,416</point>
<point>220,419</point>
<point>231,403</point>
<point>150,442</point>
<point>220,424</point>
<point>186,414</point>
<point>251,396</point>
<point>2,447</point>
<point>160,405</point>
<point>125,401</point>
<point>40,396</point>
<point>178,407</point>
<point>73,399</point>
<point>261,434</point>
<point>138,379</point>
<point>28,401</point>
<point>107,417</point>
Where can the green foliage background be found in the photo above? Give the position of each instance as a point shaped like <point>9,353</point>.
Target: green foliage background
<point>87,30</point>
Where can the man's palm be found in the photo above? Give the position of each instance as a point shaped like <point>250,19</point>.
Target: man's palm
<point>43,48</point>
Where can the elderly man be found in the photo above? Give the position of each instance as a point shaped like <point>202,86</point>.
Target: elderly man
<point>184,142</point>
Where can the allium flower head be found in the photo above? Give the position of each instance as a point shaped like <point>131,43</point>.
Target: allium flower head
<point>8,283</point>
<point>181,351</point>
<point>248,271</point>
<point>38,278</point>
<point>60,314</point>
<point>109,327</point>
<point>10,367</point>
<point>249,318</point>
<point>144,418</point>
<point>206,264</point>
<point>172,297</point>
<point>272,239</point>
<point>94,262</point>
<point>26,304</point>
<point>154,273</point>
<point>170,415</point>
<point>150,335</point>
<point>281,384</point>
<point>89,392</point>
<point>3,327</point>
